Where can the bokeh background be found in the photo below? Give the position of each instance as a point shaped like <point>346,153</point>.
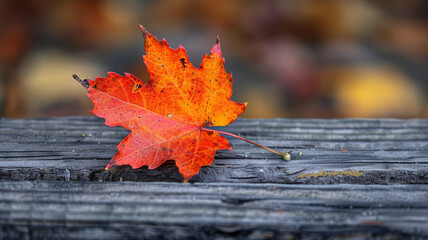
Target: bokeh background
<point>296,58</point>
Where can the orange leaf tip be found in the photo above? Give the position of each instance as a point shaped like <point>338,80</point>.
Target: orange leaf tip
<point>216,48</point>
<point>144,30</point>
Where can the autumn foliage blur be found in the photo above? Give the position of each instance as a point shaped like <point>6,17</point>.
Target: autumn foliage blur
<point>298,58</point>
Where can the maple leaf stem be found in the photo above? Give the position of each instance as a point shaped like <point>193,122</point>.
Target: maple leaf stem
<point>285,155</point>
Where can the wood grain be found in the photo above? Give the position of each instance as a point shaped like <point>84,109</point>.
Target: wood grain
<point>336,188</point>
<point>382,151</point>
<point>133,210</point>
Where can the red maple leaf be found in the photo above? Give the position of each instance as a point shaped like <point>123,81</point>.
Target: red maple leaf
<point>167,115</point>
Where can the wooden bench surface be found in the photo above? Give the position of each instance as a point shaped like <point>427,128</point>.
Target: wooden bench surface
<point>348,178</point>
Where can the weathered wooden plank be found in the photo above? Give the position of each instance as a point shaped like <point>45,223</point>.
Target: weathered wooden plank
<point>129,210</point>
<point>382,151</point>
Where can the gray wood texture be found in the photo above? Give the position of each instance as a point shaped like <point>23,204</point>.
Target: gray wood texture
<point>386,151</point>
<point>354,178</point>
<point>134,210</point>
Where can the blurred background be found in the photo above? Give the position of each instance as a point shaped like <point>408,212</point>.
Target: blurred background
<point>297,58</point>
